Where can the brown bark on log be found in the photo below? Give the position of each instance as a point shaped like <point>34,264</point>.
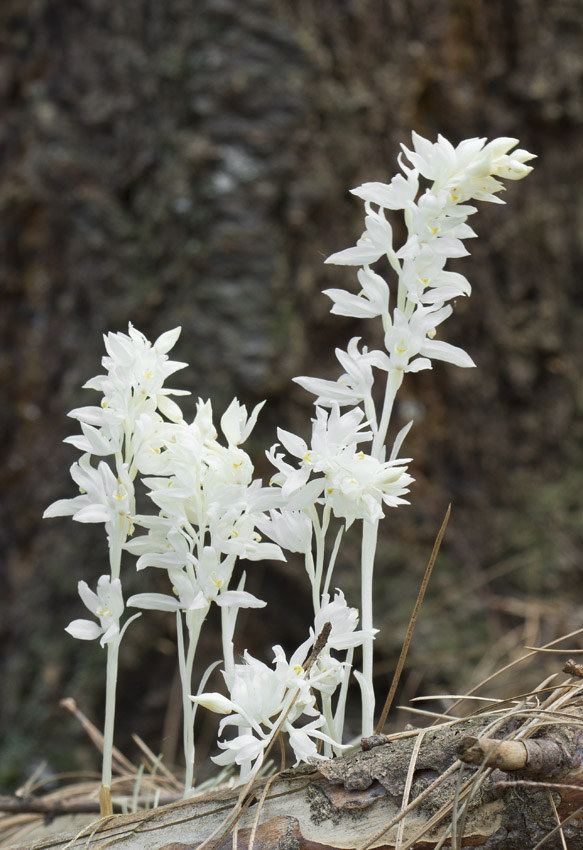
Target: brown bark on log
<point>346,802</point>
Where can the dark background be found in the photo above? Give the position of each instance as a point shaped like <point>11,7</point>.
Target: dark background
<point>187,162</point>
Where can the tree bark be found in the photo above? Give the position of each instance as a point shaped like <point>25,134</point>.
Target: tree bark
<point>347,802</point>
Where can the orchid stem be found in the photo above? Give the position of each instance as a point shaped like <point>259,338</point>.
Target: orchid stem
<point>110,689</point>
<point>194,621</point>
<point>369,547</point>
<point>369,544</point>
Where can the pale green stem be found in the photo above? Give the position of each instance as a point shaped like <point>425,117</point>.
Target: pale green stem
<point>115,545</point>
<point>370,412</point>
<point>194,621</point>
<point>183,680</point>
<point>369,544</point>
<point>329,718</point>
<point>332,561</point>
<point>227,629</point>
<point>109,724</point>
<point>320,533</point>
<point>341,704</point>
<point>368,552</point>
<point>245,769</point>
<point>394,381</point>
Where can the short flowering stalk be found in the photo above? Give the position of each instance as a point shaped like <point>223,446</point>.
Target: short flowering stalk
<point>122,427</point>
<point>209,511</point>
<point>107,606</point>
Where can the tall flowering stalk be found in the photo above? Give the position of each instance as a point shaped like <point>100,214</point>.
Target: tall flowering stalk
<point>436,222</point>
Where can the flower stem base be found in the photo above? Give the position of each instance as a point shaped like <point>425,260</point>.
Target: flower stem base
<point>105,803</point>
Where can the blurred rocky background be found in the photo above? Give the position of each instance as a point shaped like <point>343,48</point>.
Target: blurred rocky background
<point>188,163</point>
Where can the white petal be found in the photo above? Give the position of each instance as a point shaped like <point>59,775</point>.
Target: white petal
<point>419,364</point>
<point>111,633</point>
<point>232,422</point>
<point>79,441</point>
<point>93,513</point>
<point>239,599</point>
<point>64,507</point>
<point>84,629</point>
<point>89,599</point>
<point>347,304</point>
<point>252,421</point>
<point>198,603</point>
<point>167,340</point>
<point>293,444</point>
<point>438,350</point>
<point>99,444</point>
<point>265,552</point>
<point>360,255</point>
<point>154,602</point>
<point>169,408</point>
<point>90,415</point>
<point>399,440</point>
<point>215,702</point>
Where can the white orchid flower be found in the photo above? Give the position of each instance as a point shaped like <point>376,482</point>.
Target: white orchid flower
<point>107,605</point>
<point>237,424</point>
<point>289,529</point>
<point>396,195</point>
<point>355,384</point>
<point>375,242</point>
<point>410,345</point>
<point>343,620</point>
<point>104,498</point>
<point>371,301</point>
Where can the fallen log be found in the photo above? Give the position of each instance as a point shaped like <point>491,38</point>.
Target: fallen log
<point>360,800</point>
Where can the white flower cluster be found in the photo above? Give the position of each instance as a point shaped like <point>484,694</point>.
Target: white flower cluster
<point>265,700</point>
<point>207,509</point>
<point>334,472</point>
